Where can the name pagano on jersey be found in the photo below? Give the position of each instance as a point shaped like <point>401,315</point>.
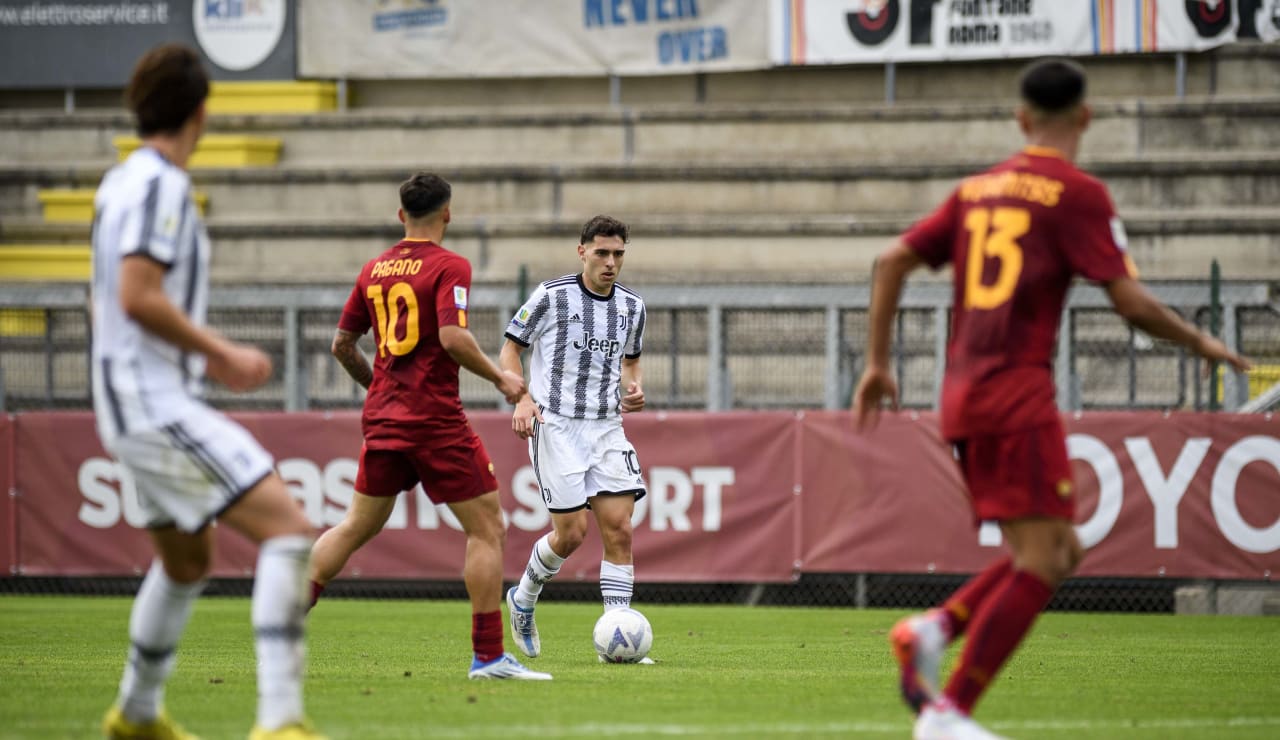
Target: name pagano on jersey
<point>393,268</point>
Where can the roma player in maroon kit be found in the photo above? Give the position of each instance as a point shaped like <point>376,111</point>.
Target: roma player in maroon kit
<point>1015,236</point>
<point>414,296</point>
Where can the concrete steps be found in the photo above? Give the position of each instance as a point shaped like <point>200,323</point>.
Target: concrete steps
<point>680,249</point>
<point>1152,183</point>
<point>702,133</point>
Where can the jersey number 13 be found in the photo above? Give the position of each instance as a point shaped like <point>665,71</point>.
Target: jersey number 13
<point>993,233</point>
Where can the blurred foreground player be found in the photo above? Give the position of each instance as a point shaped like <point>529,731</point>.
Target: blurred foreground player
<point>191,464</point>
<point>1015,236</point>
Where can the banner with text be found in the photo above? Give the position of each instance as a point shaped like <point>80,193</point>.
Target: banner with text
<point>710,512</point>
<point>94,44</point>
<point>374,39</point>
<point>852,31</point>
<point>733,497</point>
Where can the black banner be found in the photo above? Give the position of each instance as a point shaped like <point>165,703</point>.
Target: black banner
<point>95,43</point>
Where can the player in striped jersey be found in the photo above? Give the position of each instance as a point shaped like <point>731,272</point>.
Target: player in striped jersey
<point>190,464</point>
<point>586,333</point>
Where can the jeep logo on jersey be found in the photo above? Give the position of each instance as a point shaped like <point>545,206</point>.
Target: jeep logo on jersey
<point>606,347</point>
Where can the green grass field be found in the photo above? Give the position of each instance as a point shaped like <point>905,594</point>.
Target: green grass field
<point>397,669</point>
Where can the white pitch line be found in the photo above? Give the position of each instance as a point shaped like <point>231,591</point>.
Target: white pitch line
<point>846,728</point>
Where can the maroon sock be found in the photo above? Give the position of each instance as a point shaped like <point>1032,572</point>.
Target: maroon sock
<point>997,628</point>
<point>316,589</point>
<point>486,635</point>
<point>959,609</point>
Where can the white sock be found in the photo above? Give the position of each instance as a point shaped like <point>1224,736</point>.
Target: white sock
<point>616,584</point>
<point>160,614</point>
<point>280,596</point>
<point>543,565</point>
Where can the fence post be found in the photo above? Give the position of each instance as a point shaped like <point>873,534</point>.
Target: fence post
<point>940,329</point>
<point>1215,328</point>
<point>294,399</point>
<point>715,359</point>
<point>1062,367</point>
<point>832,350</point>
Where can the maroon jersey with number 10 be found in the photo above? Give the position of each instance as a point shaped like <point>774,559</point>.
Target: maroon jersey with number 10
<point>1015,235</point>
<point>406,295</point>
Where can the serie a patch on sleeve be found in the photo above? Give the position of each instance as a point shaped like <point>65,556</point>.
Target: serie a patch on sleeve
<point>521,319</point>
<point>460,297</point>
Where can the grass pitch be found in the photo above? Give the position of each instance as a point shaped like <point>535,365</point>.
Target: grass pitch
<point>397,669</point>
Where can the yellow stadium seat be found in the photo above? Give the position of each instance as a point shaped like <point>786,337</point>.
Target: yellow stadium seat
<point>22,322</point>
<point>302,96</point>
<point>44,263</point>
<point>220,150</point>
<point>76,205</point>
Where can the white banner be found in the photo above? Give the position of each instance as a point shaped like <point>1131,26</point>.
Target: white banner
<point>851,31</point>
<point>528,38</point>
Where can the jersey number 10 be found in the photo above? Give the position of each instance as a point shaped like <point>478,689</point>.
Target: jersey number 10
<point>993,232</point>
<point>388,314</point>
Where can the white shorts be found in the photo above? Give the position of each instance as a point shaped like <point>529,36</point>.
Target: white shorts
<point>188,472</point>
<point>575,459</point>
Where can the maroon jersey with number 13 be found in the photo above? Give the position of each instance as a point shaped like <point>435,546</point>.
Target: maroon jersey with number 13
<point>1015,235</point>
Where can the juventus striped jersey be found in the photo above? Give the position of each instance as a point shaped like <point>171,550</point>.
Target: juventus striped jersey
<point>578,339</point>
<point>144,207</point>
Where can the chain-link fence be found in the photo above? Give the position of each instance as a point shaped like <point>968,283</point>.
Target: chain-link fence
<point>713,348</point>
<point>852,590</point>
<point>706,348</point>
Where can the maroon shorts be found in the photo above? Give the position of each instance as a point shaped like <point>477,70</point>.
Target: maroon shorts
<point>449,475</point>
<point>1018,475</point>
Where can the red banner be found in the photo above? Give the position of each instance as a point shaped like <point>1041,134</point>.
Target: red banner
<point>8,507</point>
<point>732,497</point>
<point>1186,495</point>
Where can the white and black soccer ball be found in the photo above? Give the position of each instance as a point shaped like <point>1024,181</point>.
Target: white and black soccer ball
<point>622,636</point>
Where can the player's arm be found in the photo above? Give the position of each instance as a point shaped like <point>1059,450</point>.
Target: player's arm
<point>633,386</point>
<point>526,411</point>
<point>1136,305</point>
<point>463,348</point>
<point>888,275</point>
<point>348,355</point>
<point>237,366</point>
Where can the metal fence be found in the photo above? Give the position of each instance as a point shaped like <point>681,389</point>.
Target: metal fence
<point>706,347</point>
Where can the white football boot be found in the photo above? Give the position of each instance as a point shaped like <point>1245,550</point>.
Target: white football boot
<point>940,720</point>
<point>524,631</point>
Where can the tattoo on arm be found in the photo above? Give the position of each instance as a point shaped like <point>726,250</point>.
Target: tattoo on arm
<point>352,359</point>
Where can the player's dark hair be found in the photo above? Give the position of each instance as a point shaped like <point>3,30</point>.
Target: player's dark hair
<point>168,84</point>
<point>604,226</point>
<point>1053,85</point>
<point>424,194</point>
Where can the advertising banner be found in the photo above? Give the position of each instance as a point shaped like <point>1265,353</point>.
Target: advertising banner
<point>1186,495</point>
<point>851,31</point>
<point>94,44</point>
<point>721,503</point>
<point>363,39</point>
<point>8,507</point>
<point>733,497</point>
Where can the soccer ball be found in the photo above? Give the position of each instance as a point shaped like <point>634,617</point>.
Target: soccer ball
<point>622,636</point>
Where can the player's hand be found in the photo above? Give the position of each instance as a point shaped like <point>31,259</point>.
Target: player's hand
<point>239,367</point>
<point>510,385</point>
<point>634,400</point>
<point>876,385</point>
<point>1214,350</point>
<point>525,415</point>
